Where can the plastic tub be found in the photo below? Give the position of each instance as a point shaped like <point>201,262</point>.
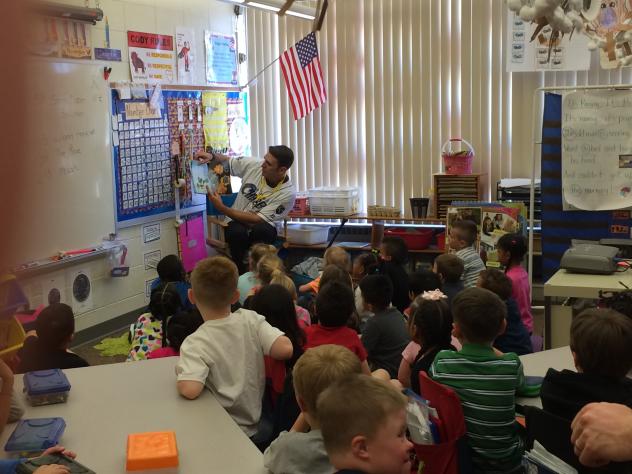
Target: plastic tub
<point>46,387</point>
<point>330,201</point>
<point>307,234</point>
<point>11,337</point>
<point>34,435</point>
<point>416,239</point>
<point>440,241</point>
<point>147,452</point>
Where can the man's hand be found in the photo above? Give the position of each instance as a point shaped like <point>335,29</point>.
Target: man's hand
<point>203,157</point>
<point>216,200</point>
<point>602,432</point>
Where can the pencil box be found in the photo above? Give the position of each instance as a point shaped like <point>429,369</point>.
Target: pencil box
<point>31,465</point>
<point>34,435</point>
<point>46,387</point>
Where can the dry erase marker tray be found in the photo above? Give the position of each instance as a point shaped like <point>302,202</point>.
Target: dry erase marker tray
<point>46,387</point>
<point>34,435</point>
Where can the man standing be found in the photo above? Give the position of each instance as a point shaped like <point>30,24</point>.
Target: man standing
<point>266,196</point>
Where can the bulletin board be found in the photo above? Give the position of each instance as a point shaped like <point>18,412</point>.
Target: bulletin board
<point>144,169</point>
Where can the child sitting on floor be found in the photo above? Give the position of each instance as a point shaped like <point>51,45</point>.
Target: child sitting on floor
<point>150,331</point>
<point>302,315</point>
<point>450,268</point>
<point>420,282</point>
<point>269,267</point>
<point>249,280</point>
<point>463,236</point>
<point>363,423</point>
<point>363,265</point>
<point>600,343</point>
<point>179,327</point>
<point>226,353</point>
<point>171,270</point>
<point>334,307</point>
<point>516,337</point>
<point>485,382</point>
<point>48,349</point>
<point>333,256</point>
<point>511,250</point>
<point>385,335</point>
<point>431,329</point>
<point>393,258</point>
<point>299,452</point>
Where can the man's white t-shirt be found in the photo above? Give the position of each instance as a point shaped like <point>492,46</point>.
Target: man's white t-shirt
<point>271,204</point>
<point>227,356</point>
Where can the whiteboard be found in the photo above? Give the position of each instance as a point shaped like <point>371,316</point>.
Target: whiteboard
<point>68,188</point>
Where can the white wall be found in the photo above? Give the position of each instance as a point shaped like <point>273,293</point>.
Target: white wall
<point>113,297</point>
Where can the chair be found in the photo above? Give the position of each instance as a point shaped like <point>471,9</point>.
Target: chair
<point>554,434</point>
<point>450,455</point>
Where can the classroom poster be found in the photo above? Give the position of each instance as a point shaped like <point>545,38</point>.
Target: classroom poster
<point>215,120</point>
<point>60,37</point>
<point>238,124</point>
<point>221,59</point>
<point>523,55</point>
<point>185,50</point>
<point>151,58</point>
<point>597,150</point>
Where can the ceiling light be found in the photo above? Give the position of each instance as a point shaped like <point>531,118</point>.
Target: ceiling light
<point>299,11</point>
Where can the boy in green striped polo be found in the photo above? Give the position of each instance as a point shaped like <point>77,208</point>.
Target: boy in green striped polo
<point>485,381</point>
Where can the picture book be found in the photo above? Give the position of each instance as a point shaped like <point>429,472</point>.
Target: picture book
<point>218,176</point>
<point>497,221</point>
<point>199,176</point>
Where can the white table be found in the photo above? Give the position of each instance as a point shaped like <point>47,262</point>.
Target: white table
<point>539,362</point>
<point>108,402</point>
<point>557,318</point>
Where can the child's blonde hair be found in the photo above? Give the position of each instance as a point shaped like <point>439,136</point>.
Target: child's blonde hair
<point>320,367</point>
<point>257,252</point>
<point>269,267</point>
<point>339,257</point>
<point>287,283</point>
<point>214,282</point>
<point>356,405</point>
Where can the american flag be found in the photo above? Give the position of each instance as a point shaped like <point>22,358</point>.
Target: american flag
<point>303,76</point>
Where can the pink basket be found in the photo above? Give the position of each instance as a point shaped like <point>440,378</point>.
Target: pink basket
<point>458,156</point>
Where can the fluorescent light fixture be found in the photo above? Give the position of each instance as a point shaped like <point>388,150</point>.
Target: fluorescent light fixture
<point>297,10</point>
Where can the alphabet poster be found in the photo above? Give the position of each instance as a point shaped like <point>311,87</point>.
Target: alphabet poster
<point>597,150</point>
<point>151,58</point>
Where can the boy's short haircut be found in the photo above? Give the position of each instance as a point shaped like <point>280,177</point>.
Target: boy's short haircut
<point>170,268</point>
<point>479,314</point>
<point>339,257</point>
<point>258,251</point>
<point>319,368</point>
<point>269,267</point>
<point>357,405</point>
<point>601,340</point>
<point>396,248</point>
<point>214,282</point>
<point>423,280</point>
<point>334,304</point>
<point>335,273</point>
<point>377,290</point>
<point>55,325</point>
<point>287,283</point>
<point>496,282</point>
<point>467,231</point>
<point>450,267</point>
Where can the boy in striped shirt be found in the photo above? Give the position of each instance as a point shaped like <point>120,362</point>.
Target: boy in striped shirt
<point>485,381</point>
<point>463,235</point>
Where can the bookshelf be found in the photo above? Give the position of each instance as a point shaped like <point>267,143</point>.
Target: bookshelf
<point>455,187</point>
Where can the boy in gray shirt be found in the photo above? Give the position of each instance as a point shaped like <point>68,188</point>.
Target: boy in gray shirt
<point>302,450</point>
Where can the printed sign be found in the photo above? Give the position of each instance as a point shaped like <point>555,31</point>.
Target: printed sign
<point>221,59</point>
<point>151,232</point>
<point>151,57</point>
<point>140,110</point>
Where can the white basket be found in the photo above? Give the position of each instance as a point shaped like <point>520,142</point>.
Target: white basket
<point>307,234</point>
<point>330,201</point>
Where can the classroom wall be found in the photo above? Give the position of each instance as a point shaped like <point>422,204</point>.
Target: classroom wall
<point>113,297</point>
